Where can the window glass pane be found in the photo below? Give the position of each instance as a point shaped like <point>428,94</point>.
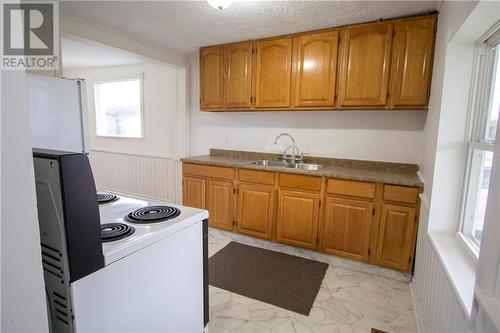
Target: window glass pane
<point>477,195</point>
<point>118,108</point>
<point>494,107</point>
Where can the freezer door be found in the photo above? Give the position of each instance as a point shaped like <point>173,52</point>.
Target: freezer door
<point>57,113</point>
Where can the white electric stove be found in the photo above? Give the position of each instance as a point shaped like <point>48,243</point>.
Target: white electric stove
<point>153,279</point>
<point>128,265</point>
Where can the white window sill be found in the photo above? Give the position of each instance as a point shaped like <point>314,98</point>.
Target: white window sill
<point>459,266</point>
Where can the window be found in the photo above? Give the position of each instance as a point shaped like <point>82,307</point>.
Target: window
<point>482,136</point>
<point>118,106</point>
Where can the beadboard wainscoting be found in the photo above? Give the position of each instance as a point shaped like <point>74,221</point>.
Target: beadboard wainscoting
<point>436,305</point>
<point>147,176</point>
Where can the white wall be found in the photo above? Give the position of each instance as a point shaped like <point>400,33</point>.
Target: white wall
<point>451,148</point>
<point>116,39</point>
<point>437,306</point>
<point>152,177</point>
<point>441,308</point>
<point>444,184</point>
<point>150,166</point>
<point>159,108</point>
<point>370,135</point>
<point>23,307</point>
<point>452,15</point>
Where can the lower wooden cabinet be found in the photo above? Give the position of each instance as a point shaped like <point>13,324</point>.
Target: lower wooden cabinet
<point>346,227</point>
<point>194,192</point>
<point>297,222</point>
<point>220,204</point>
<point>363,221</point>
<point>396,236</point>
<point>255,210</point>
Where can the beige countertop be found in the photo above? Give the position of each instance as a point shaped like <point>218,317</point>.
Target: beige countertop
<point>380,172</point>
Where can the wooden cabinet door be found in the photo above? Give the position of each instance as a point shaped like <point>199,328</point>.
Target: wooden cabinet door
<point>211,78</point>
<point>273,73</point>
<point>255,210</point>
<point>346,228</point>
<point>194,192</point>
<point>238,75</point>
<point>298,218</point>
<point>412,61</point>
<point>315,69</point>
<point>364,65</point>
<point>220,204</point>
<point>396,237</point>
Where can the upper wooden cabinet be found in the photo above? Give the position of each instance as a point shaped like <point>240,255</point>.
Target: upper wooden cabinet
<point>379,66</point>
<point>238,75</point>
<point>412,61</point>
<point>315,69</point>
<point>273,73</point>
<point>364,65</point>
<point>211,78</point>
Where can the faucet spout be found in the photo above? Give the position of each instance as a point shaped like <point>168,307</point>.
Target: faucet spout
<point>284,134</point>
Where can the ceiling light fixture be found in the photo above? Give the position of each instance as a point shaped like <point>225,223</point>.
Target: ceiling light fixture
<point>220,4</point>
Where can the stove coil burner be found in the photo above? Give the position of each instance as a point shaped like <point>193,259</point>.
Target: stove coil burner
<point>104,198</point>
<point>152,214</point>
<point>111,232</point>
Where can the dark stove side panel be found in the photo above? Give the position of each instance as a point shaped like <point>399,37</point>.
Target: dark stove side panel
<point>69,222</point>
<point>83,231</point>
<point>53,244</point>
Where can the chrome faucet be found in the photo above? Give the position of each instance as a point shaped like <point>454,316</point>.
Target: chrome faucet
<point>296,156</point>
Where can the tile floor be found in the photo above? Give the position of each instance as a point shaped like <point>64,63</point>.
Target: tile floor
<point>349,300</point>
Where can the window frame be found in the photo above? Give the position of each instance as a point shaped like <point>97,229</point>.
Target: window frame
<point>122,78</point>
<point>479,105</point>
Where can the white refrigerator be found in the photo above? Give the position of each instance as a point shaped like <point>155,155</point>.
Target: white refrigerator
<point>58,113</point>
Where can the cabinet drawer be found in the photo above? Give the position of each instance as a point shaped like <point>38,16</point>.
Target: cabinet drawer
<point>400,193</point>
<point>257,177</point>
<point>351,188</point>
<point>303,182</point>
<point>208,171</point>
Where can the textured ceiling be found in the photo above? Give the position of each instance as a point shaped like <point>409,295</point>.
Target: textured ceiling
<point>184,26</point>
<point>80,54</point>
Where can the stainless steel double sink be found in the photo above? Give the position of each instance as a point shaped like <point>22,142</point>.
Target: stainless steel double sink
<point>298,166</point>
